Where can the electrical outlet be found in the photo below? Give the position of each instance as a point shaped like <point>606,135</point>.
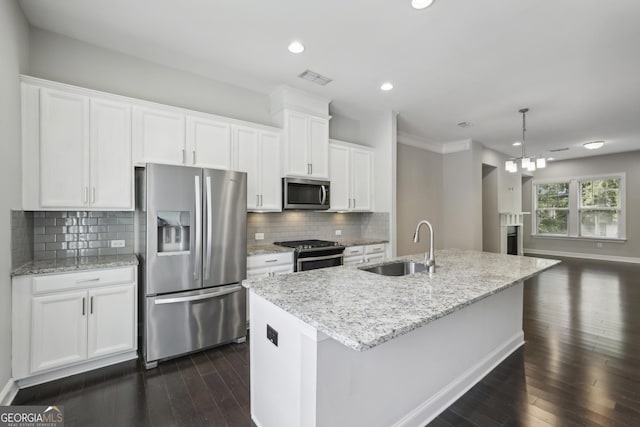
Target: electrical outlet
<point>338,232</point>
<point>117,243</point>
<point>272,335</point>
<point>259,236</point>
<point>599,245</point>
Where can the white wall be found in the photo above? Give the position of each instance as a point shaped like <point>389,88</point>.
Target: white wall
<point>623,162</point>
<point>462,198</point>
<point>14,39</point>
<point>419,196</point>
<point>60,58</point>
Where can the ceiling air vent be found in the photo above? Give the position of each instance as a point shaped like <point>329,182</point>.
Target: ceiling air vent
<point>465,124</point>
<point>316,78</point>
<point>555,150</point>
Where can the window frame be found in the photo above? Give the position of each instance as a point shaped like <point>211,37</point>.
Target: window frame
<point>575,208</point>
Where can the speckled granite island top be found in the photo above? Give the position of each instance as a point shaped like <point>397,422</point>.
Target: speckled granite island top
<point>362,310</point>
<point>52,266</point>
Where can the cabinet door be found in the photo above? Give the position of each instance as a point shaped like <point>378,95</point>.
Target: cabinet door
<point>270,181</point>
<point>339,177</point>
<point>361,180</point>
<point>319,147</point>
<point>297,142</point>
<point>112,320</point>
<point>353,260</point>
<point>64,150</point>
<point>58,330</point>
<point>111,167</point>
<point>281,269</point>
<point>209,143</point>
<point>247,153</point>
<point>158,136</point>
<point>374,257</point>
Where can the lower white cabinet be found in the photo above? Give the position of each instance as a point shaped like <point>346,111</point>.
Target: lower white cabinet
<point>365,253</point>
<point>72,322</point>
<point>267,265</point>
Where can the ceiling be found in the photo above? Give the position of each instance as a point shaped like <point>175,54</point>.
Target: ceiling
<point>574,63</point>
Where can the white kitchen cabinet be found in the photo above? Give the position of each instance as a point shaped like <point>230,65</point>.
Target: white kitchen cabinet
<point>306,150</point>
<point>208,143</point>
<point>350,173</point>
<point>72,322</point>
<point>365,253</point>
<point>257,153</point>
<point>159,136</point>
<point>76,151</point>
<point>267,265</point>
<point>58,330</point>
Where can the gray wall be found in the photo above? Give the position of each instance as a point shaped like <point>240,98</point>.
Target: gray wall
<point>419,196</point>
<point>624,162</point>
<point>462,198</point>
<point>60,58</point>
<point>490,215</point>
<point>14,41</point>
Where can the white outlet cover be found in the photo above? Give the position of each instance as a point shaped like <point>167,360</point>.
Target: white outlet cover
<point>259,236</point>
<point>338,232</point>
<point>117,243</point>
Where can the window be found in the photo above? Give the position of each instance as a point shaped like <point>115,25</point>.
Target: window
<point>580,207</point>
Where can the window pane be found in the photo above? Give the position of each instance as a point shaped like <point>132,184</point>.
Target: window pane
<point>597,223</point>
<point>553,195</point>
<point>600,193</point>
<point>552,221</point>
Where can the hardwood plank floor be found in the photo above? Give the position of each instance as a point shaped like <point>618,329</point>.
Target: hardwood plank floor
<point>580,366</point>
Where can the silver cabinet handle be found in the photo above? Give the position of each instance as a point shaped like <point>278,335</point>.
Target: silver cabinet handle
<point>354,203</point>
<point>93,194</point>
<point>353,251</point>
<point>85,195</point>
<point>311,168</point>
<point>257,200</point>
<point>261,200</point>
<point>95,279</point>
<point>182,156</point>
<point>308,168</point>
<point>91,305</point>
<point>83,305</point>
<point>193,155</point>
<point>207,268</point>
<point>271,260</point>
<point>198,195</point>
<point>199,297</point>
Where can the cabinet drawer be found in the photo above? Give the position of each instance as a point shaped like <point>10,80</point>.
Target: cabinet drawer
<point>373,249</point>
<point>267,260</point>
<point>85,279</point>
<point>353,251</point>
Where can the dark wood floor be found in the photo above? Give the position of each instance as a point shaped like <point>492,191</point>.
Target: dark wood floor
<point>579,366</point>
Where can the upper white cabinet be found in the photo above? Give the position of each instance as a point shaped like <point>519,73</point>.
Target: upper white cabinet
<point>208,143</point>
<point>350,173</point>
<point>306,145</point>
<point>257,153</point>
<point>159,136</point>
<point>76,151</point>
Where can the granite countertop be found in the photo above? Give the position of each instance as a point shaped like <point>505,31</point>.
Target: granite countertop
<point>360,241</point>
<point>362,310</point>
<point>65,265</point>
<point>267,248</point>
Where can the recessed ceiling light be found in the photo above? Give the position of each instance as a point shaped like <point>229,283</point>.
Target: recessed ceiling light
<point>386,86</point>
<point>593,145</point>
<point>517,144</point>
<point>465,124</point>
<point>296,47</point>
<point>421,4</point>
<point>550,159</point>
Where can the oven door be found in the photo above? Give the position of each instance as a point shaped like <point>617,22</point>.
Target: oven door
<point>317,260</point>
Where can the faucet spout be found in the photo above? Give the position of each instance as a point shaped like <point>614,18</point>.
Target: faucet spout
<point>430,255</point>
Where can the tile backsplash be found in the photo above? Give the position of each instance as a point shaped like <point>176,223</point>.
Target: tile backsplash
<point>295,225</point>
<point>71,234</point>
<point>21,238</point>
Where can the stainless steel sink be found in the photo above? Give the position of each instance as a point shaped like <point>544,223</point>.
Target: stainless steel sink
<point>400,268</point>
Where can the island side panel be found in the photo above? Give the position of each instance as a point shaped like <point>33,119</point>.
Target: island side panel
<point>409,380</point>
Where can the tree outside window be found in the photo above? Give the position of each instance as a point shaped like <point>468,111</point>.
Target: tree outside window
<point>600,207</point>
<point>552,213</point>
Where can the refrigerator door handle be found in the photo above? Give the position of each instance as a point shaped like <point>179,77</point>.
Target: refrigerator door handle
<point>207,257</point>
<point>228,290</point>
<point>198,258</point>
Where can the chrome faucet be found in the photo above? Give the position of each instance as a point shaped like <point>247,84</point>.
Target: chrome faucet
<point>430,256</point>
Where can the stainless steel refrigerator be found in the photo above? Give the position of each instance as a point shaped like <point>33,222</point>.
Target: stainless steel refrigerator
<point>191,238</point>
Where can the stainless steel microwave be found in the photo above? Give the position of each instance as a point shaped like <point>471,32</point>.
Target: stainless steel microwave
<point>300,194</point>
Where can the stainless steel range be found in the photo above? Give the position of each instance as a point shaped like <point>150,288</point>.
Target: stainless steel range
<point>313,254</point>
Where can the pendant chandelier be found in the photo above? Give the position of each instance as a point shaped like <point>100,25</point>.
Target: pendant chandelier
<point>529,163</point>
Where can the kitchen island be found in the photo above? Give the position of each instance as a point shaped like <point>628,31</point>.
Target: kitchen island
<point>342,346</point>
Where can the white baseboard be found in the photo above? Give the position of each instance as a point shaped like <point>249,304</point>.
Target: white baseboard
<point>8,393</point>
<point>424,413</point>
<point>600,257</point>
